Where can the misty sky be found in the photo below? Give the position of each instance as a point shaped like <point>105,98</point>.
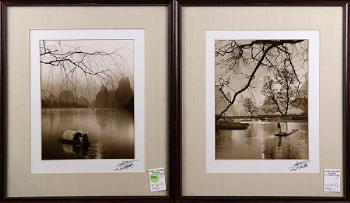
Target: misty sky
<point>114,61</point>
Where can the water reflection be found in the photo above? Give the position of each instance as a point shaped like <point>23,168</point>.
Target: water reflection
<point>76,151</point>
<point>102,117</point>
<point>110,131</point>
<point>259,142</point>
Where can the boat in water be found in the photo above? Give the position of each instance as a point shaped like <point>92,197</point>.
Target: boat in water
<point>74,137</point>
<point>226,125</point>
<point>283,134</point>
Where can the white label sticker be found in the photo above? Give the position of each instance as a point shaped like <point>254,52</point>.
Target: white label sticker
<point>331,180</point>
<point>156,179</point>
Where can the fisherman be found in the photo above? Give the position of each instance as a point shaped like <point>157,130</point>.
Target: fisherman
<point>279,126</point>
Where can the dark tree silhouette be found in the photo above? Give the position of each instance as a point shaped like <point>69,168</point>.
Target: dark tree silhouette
<point>271,55</point>
<point>249,106</point>
<point>282,90</point>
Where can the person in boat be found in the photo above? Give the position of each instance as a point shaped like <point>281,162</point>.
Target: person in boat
<point>279,126</point>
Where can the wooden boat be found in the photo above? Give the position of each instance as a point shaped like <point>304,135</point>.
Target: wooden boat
<point>283,134</point>
<point>224,125</point>
<point>74,137</point>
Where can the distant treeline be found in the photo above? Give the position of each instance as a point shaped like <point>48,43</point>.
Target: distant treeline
<point>262,117</point>
<point>58,104</point>
<point>121,97</point>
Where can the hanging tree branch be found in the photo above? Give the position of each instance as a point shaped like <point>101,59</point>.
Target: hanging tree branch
<point>232,53</point>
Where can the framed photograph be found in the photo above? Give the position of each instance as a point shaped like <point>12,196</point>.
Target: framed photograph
<point>78,83</point>
<point>87,91</point>
<point>174,101</point>
<point>257,101</point>
<point>264,92</point>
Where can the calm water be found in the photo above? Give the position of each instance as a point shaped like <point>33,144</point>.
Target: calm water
<point>110,131</point>
<point>259,142</point>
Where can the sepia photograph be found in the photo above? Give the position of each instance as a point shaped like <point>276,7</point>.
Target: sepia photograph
<point>261,99</point>
<point>87,99</point>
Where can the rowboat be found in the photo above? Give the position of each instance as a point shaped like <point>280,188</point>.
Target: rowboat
<point>283,134</point>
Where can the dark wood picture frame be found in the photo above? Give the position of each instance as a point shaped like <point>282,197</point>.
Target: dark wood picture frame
<point>175,99</point>
<point>3,98</point>
<point>346,96</point>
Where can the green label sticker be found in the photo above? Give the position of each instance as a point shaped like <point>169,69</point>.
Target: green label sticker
<point>154,177</point>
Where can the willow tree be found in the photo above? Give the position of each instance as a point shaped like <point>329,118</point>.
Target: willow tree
<point>79,68</point>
